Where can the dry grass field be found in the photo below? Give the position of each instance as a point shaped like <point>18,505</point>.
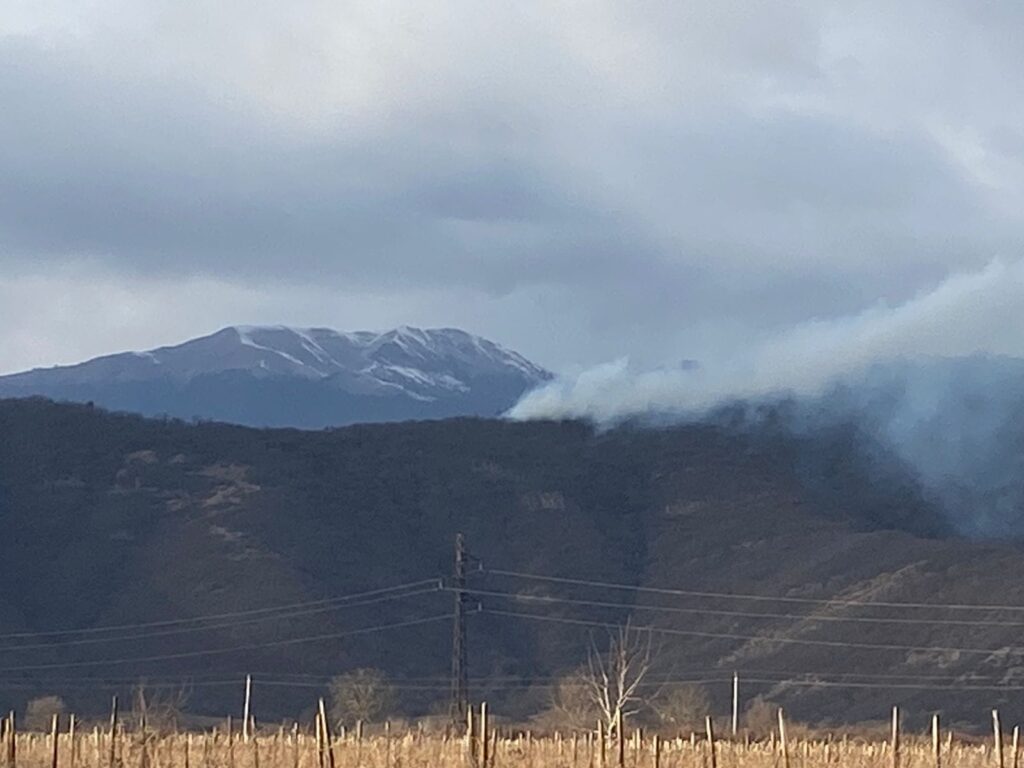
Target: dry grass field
<point>384,748</point>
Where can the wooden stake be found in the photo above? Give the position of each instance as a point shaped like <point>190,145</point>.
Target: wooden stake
<point>327,734</point>
<point>997,738</point>
<point>113,733</point>
<point>245,709</point>
<point>735,704</point>
<point>484,737</point>
<point>782,739</point>
<point>321,757</point>
<point>895,737</point>
<point>54,725</point>
<point>1016,746</point>
<point>936,741</point>
<point>710,728</point>
<point>12,741</point>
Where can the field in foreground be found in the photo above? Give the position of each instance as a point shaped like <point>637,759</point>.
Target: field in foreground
<point>281,748</point>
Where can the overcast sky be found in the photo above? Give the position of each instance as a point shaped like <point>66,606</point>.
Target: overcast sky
<point>577,180</point>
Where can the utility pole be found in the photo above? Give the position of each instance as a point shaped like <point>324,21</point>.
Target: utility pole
<point>460,674</point>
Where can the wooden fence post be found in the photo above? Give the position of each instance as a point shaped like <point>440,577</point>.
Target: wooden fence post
<point>735,704</point>
<point>245,709</point>
<point>710,728</point>
<point>997,738</point>
<point>485,756</point>
<point>54,727</point>
<point>895,737</point>
<point>321,757</point>
<point>936,741</point>
<point>112,756</point>
<point>12,741</point>
<point>782,739</point>
<point>325,724</point>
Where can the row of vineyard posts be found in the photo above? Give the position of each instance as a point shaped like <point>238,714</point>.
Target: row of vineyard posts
<point>479,745</point>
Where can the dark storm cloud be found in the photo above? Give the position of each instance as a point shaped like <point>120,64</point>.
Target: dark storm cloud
<point>654,178</point>
<point>162,181</point>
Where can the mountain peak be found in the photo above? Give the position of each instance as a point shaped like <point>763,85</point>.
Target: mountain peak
<point>440,371</point>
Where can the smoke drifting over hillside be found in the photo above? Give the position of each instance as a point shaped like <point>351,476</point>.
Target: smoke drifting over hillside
<point>936,381</point>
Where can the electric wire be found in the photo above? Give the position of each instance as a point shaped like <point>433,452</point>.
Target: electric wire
<point>219,616</point>
<point>740,614</point>
<point>225,625</point>
<point>1015,650</point>
<point>233,649</point>
<point>833,602</point>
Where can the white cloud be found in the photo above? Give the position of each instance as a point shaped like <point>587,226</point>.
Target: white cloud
<point>656,177</point>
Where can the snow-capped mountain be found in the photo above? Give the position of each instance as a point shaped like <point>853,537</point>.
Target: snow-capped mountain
<point>303,377</point>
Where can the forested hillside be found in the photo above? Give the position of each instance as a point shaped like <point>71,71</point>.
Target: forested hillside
<point>114,520</point>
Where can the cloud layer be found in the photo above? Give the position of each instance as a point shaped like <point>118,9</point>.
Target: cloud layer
<point>578,180</point>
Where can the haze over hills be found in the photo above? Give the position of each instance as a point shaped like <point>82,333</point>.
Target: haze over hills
<point>299,377</point>
<point>158,520</point>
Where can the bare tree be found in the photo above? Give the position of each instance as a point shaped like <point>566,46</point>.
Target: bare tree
<point>683,707</point>
<point>363,694</point>
<point>158,709</point>
<point>614,678</point>
<point>40,711</point>
<point>760,716</point>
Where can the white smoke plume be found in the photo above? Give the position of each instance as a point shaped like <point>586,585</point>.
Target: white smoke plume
<point>968,314</point>
<point>938,382</point>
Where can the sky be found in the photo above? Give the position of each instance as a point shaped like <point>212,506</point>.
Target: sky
<point>581,181</point>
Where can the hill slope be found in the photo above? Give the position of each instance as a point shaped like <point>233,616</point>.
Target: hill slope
<point>117,520</point>
<point>299,377</point>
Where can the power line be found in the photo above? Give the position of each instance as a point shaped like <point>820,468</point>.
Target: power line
<point>764,598</point>
<point>218,616</point>
<point>226,625</point>
<point>740,614</point>
<point>761,638</point>
<point>888,686</point>
<point>525,685</point>
<point>234,649</point>
<point>693,675</point>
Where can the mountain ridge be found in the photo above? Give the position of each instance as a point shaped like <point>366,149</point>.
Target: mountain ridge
<point>156,519</point>
<point>303,377</point>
